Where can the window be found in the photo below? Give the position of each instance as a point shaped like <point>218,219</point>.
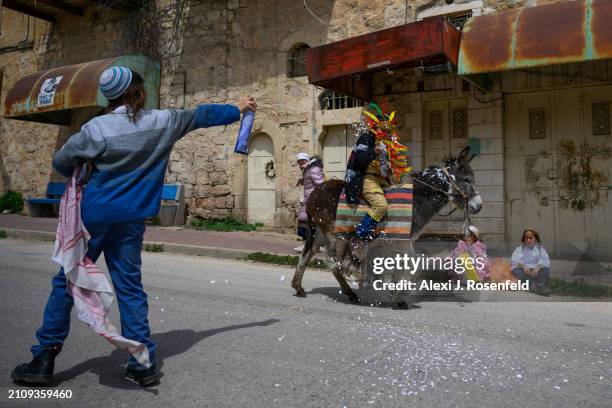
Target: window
<point>459,20</point>
<point>455,13</point>
<point>297,60</point>
<point>330,100</point>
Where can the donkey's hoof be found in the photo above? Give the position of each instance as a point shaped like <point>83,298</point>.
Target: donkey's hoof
<point>300,293</point>
<point>354,299</point>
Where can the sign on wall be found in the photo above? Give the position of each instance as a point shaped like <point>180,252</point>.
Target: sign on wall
<point>47,91</point>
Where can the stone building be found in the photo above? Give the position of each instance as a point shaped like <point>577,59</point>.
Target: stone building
<point>216,51</point>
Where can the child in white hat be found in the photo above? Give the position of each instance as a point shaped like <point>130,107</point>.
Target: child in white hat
<point>312,176</point>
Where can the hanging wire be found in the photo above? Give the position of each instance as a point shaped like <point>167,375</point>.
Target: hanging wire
<point>313,14</point>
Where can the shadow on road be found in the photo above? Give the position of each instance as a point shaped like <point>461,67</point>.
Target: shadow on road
<point>169,344</point>
<point>369,297</point>
<point>334,293</point>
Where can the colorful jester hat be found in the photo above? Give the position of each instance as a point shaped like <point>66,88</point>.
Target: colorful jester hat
<point>383,127</point>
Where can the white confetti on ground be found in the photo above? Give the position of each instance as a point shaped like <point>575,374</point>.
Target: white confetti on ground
<point>403,362</point>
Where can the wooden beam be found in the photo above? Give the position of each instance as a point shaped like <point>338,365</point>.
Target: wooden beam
<point>22,8</point>
<point>63,6</point>
<point>117,4</point>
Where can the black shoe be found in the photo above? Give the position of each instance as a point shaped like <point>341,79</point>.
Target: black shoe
<point>144,378</point>
<point>39,371</point>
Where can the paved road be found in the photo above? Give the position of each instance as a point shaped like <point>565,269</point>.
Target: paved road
<point>231,334</point>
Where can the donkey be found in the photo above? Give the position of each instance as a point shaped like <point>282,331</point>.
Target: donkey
<point>433,188</point>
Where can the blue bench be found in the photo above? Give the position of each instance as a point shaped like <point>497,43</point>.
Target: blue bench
<point>172,211</point>
<point>49,206</point>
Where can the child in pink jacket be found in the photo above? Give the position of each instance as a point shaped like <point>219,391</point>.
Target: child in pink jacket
<point>474,248</point>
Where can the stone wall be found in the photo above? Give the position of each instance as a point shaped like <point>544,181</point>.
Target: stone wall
<point>215,52</point>
<point>23,145</point>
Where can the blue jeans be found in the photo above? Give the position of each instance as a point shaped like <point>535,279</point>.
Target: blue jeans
<point>541,279</point>
<point>121,244</point>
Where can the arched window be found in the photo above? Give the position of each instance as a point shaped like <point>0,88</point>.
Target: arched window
<point>297,60</point>
<point>330,100</point>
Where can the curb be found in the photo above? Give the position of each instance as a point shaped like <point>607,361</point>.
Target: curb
<point>214,252</point>
<point>30,235</point>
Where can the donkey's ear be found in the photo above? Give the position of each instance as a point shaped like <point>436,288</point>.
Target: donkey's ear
<point>463,156</point>
<point>471,158</point>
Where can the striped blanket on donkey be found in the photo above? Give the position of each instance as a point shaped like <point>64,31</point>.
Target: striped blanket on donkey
<point>396,224</point>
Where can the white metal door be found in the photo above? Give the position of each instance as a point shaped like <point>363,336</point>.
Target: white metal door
<point>261,183</point>
<point>597,114</point>
<point>529,159</point>
<point>445,133</point>
<point>337,146</point>
<point>558,168</point>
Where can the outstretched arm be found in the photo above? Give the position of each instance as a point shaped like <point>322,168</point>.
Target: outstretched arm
<point>208,115</point>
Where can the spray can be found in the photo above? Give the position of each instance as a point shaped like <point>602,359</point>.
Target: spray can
<point>246,125</point>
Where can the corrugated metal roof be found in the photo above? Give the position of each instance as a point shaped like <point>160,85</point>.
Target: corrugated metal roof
<point>558,33</point>
<point>345,66</point>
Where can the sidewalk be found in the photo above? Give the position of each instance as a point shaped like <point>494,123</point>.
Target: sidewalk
<point>234,245</point>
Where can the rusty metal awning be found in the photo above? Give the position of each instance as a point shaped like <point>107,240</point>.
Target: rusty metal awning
<point>559,33</point>
<point>51,96</point>
<point>346,66</point>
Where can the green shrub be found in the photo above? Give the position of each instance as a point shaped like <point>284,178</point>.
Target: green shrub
<point>3,234</point>
<point>11,200</point>
<point>224,224</point>
<point>289,260</point>
<point>153,248</point>
<point>579,289</point>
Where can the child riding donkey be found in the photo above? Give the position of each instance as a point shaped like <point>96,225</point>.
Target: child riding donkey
<point>377,160</point>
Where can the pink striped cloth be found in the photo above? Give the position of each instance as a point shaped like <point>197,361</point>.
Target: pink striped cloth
<point>88,285</point>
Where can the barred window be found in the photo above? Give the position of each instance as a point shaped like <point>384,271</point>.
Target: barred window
<point>330,100</point>
<point>297,60</point>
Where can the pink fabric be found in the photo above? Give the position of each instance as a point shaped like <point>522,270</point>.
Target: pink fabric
<point>312,178</point>
<point>476,250</point>
<point>88,285</point>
